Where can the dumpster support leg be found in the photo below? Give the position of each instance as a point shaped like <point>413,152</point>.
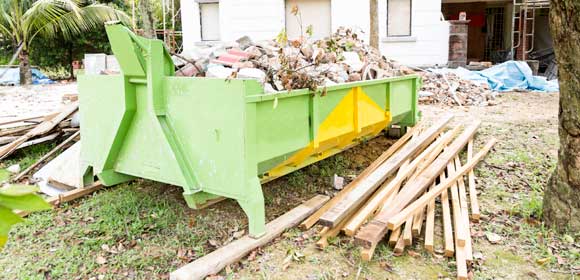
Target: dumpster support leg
<point>254,208</point>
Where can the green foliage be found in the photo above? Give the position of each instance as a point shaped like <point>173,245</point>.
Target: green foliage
<point>282,37</point>
<point>532,206</point>
<point>17,197</point>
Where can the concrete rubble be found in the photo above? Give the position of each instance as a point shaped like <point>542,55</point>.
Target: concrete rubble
<point>450,89</point>
<point>283,64</point>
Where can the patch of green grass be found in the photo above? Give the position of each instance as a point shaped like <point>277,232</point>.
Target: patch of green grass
<point>4,175</point>
<point>29,155</point>
<point>531,206</point>
<point>145,222</point>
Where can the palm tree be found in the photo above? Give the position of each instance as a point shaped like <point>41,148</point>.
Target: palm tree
<point>24,20</point>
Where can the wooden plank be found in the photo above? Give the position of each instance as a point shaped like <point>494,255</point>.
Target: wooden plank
<point>215,261</point>
<point>461,263</point>
<point>394,237</point>
<point>460,234</point>
<point>68,196</point>
<point>399,246</point>
<point>449,246</point>
<point>464,214</point>
<point>16,131</point>
<point>472,190</point>
<point>430,225</point>
<point>23,119</point>
<point>40,129</point>
<point>331,232</point>
<point>374,231</point>
<point>379,198</point>
<point>38,140</point>
<point>399,218</point>
<point>47,155</point>
<point>408,231</point>
<point>418,222</point>
<point>310,221</point>
<point>369,184</point>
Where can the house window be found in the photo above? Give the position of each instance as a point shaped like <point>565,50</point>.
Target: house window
<point>398,18</point>
<point>311,12</point>
<point>209,14</point>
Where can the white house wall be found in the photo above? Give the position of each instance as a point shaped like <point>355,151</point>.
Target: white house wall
<point>264,19</point>
<point>429,40</point>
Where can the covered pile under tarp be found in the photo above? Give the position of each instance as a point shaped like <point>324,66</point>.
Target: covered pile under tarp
<point>12,77</point>
<point>508,76</point>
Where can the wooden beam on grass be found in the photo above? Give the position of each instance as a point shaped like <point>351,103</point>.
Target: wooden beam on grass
<point>40,129</point>
<point>394,237</point>
<point>402,216</point>
<point>472,190</point>
<point>215,261</point>
<point>368,185</point>
<point>430,225</point>
<point>374,231</point>
<point>400,245</point>
<point>47,155</point>
<point>448,243</point>
<point>379,197</point>
<point>68,196</point>
<point>418,222</point>
<point>460,234</point>
<point>464,214</point>
<point>408,231</point>
<point>310,221</point>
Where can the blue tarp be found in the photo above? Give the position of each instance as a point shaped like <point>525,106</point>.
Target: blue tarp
<point>12,77</point>
<point>508,76</point>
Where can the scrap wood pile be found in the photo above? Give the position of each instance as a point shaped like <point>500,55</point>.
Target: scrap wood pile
<point>396,196</point>
<point>58,169</point>
<point>450,89</point>
<point>284,64</point>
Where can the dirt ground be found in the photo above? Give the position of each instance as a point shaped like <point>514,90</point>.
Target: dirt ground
<point>143,230</point>
<point>19,101</point>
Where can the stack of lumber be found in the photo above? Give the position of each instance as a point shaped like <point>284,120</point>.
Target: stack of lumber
<point>58,171</point>
<point>22,132</point>
<point>395,197</point>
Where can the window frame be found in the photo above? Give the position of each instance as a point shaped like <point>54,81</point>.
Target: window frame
<point>410,22</point>
<point>199,4</point>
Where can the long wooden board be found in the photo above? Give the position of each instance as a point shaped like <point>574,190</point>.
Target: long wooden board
<point>464,214</point>
<point>47,155</point>
<point>369,184</point>
<point>430,225</point>
<point>448,243</point>
<point>40,129</point>
<point>68,196</point>
<point>374,231</point>
<point>379,197</point>
<point>400,217</point>
<point>460,234</point>
<point>310,221</point>
<point>215,261</point>
<point>472,190</point>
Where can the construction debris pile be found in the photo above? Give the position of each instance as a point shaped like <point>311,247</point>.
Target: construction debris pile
<point>284,64</point>
<point>397,195</point>
<point>20,132</point>
<point>450,89</point>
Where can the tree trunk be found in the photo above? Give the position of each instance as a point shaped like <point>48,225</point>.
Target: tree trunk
<point>147,20</point>
<point>374,18</point>
<point>562,195</point>
<point>25,73</point>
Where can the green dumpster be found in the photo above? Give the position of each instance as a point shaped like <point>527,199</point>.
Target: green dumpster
<point>221,138</point>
